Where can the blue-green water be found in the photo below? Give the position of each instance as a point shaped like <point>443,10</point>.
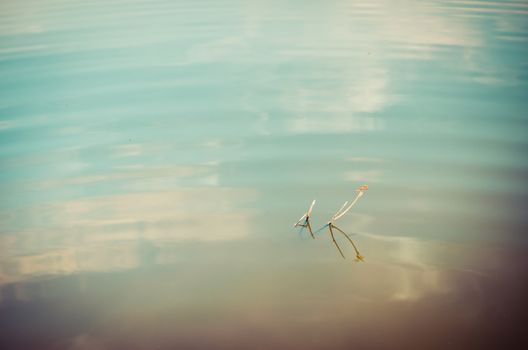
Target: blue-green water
<point>155,154</point>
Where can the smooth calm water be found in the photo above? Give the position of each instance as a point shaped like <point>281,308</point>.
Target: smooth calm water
<point>155,154</point>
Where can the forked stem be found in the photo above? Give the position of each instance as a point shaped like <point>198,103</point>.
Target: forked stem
<point>298,223</point>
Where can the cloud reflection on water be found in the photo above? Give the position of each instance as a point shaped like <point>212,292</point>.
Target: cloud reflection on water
<point>411,268</point>
<point>105,233</point>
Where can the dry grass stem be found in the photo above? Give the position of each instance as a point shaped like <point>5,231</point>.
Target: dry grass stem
<point>304,221</point>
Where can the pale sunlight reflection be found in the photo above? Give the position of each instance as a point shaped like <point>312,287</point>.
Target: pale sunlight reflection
<point>105,233</point>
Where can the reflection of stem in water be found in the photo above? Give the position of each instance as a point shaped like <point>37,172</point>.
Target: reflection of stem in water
<point>359,257</point>
<point>320,229</point>
<point>335,242</point>
<point>309,228</point>
<point>307,225</point>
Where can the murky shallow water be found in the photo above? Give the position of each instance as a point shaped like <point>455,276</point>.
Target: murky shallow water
<point>154,156</point>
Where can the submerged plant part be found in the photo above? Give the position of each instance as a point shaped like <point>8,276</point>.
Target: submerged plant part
<point>342,211</point>
<point>304,221</point>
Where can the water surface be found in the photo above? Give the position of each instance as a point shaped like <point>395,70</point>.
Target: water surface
<point>155,154</point>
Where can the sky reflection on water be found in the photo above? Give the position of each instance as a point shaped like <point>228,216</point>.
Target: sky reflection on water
<point>154,155</point>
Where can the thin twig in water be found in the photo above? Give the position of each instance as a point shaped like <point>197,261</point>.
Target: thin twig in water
<point>342,211</point>
<point>304,221</point>
<point>339,211</point>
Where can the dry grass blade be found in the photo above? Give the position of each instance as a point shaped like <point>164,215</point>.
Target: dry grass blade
<point>342,211</point>
<point>339,211</point>
<point>337,216</point>
<point>304,221</point>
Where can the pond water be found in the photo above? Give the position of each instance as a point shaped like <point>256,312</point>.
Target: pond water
<point>155,154</point>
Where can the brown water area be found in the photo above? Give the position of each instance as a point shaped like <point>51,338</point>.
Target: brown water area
<point>256,294</point>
